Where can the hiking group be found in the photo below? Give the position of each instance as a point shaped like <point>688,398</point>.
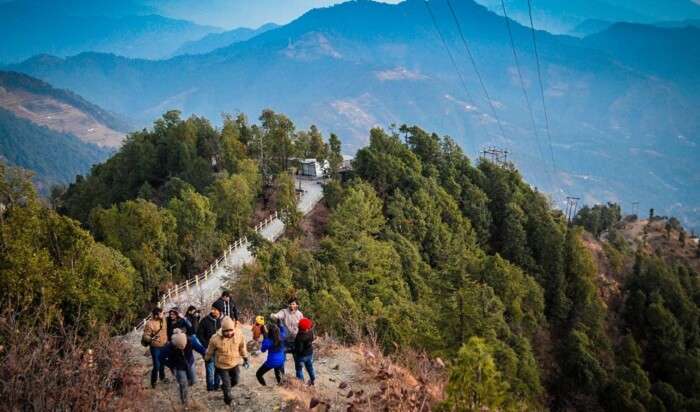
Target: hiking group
<point>219,339</point>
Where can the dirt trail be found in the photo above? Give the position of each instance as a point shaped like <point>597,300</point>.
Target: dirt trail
<point>335,367</point>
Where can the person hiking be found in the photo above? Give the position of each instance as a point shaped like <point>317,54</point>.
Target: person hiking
<point>258,330</point>
<point>155,336</point>
<point>177,355</point>
<point>229,308</point>
<point>304,351</point>
<point>273,344</point>
<point>177,321</point>
<point>289,317</point>
<point>194,316</point>
<point>228,348</point>
<point>206,329</point>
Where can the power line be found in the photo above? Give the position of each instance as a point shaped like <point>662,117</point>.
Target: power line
<point>539,78</point>
<point>522,87</point>
<point>476,70</point>
<point>449,53</point>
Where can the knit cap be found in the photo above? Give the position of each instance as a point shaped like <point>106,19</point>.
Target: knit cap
<point>305,324</point>
<point>227,323</point>
<point>219,305</point>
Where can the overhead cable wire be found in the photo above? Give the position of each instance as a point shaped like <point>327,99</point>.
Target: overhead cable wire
<point>476,70</point>
<point>470,100</point>
<point>524,90</point>
<point>539,78</point>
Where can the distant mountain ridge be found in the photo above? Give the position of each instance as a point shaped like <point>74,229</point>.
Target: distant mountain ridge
<point>62,30</point>
<point>593,26</point>
<point>563,17</point>
<point>215,41</point>
<point>671,52</point>
<point>55,158</point>
<point>52,132</point>
<point>60,110</point>
<point>615,126</point>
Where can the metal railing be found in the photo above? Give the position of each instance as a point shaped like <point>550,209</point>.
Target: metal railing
<point>196,281</point>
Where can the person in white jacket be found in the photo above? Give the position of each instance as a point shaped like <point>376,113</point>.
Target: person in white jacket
<point>289,318</point>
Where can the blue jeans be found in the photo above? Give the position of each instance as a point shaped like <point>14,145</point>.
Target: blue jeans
<point>213,380</point>
<point>184,379</point>
<point>158,368</point>
<point>305,361</point>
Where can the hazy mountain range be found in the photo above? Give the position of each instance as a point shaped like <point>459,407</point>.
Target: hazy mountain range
<point>623,104</point>
<point>215,41</point>
<point>559,16</point>
<point>32,27</point>
<point>593,26</point>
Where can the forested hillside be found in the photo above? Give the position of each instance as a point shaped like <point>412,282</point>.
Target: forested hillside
<point>55,157</point>
<point>424,249</point>
<point>173,197</point>
<point>16,85</point>
<point>53,132</point>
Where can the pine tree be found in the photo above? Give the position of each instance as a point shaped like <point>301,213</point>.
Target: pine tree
<point>285,191</point>
<point>335,157</point>
<point>475,384</point>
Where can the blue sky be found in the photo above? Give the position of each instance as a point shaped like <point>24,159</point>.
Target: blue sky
<point>237,13</point>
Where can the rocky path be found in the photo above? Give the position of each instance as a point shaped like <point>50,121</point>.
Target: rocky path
<point>339,370</point>
<point>347,378</point>
<point>337,367</point>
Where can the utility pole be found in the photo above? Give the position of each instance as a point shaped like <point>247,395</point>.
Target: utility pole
<point>496,155</point>
<point>635,209</point>
<point>571,207</point>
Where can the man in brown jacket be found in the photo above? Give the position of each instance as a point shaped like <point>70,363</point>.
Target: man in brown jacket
<point>155,330</point>
<point>229,349</point>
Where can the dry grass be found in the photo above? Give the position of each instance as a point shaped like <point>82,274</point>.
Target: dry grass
<point>56,369</point>
<point>410,381</point>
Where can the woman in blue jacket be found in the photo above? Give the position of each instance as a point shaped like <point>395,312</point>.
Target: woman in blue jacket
<point>273,344</point>
<point>179,357</point>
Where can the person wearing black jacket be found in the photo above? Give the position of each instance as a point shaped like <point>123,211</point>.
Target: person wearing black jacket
<point>228,307</point>
<point>206,329</point>
<point>178,356</point>
<point>177,321</point>
<point>304,351</point>
<point>193,315</point>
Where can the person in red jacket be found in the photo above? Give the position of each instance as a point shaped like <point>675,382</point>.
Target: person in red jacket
<point>304,350</point>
